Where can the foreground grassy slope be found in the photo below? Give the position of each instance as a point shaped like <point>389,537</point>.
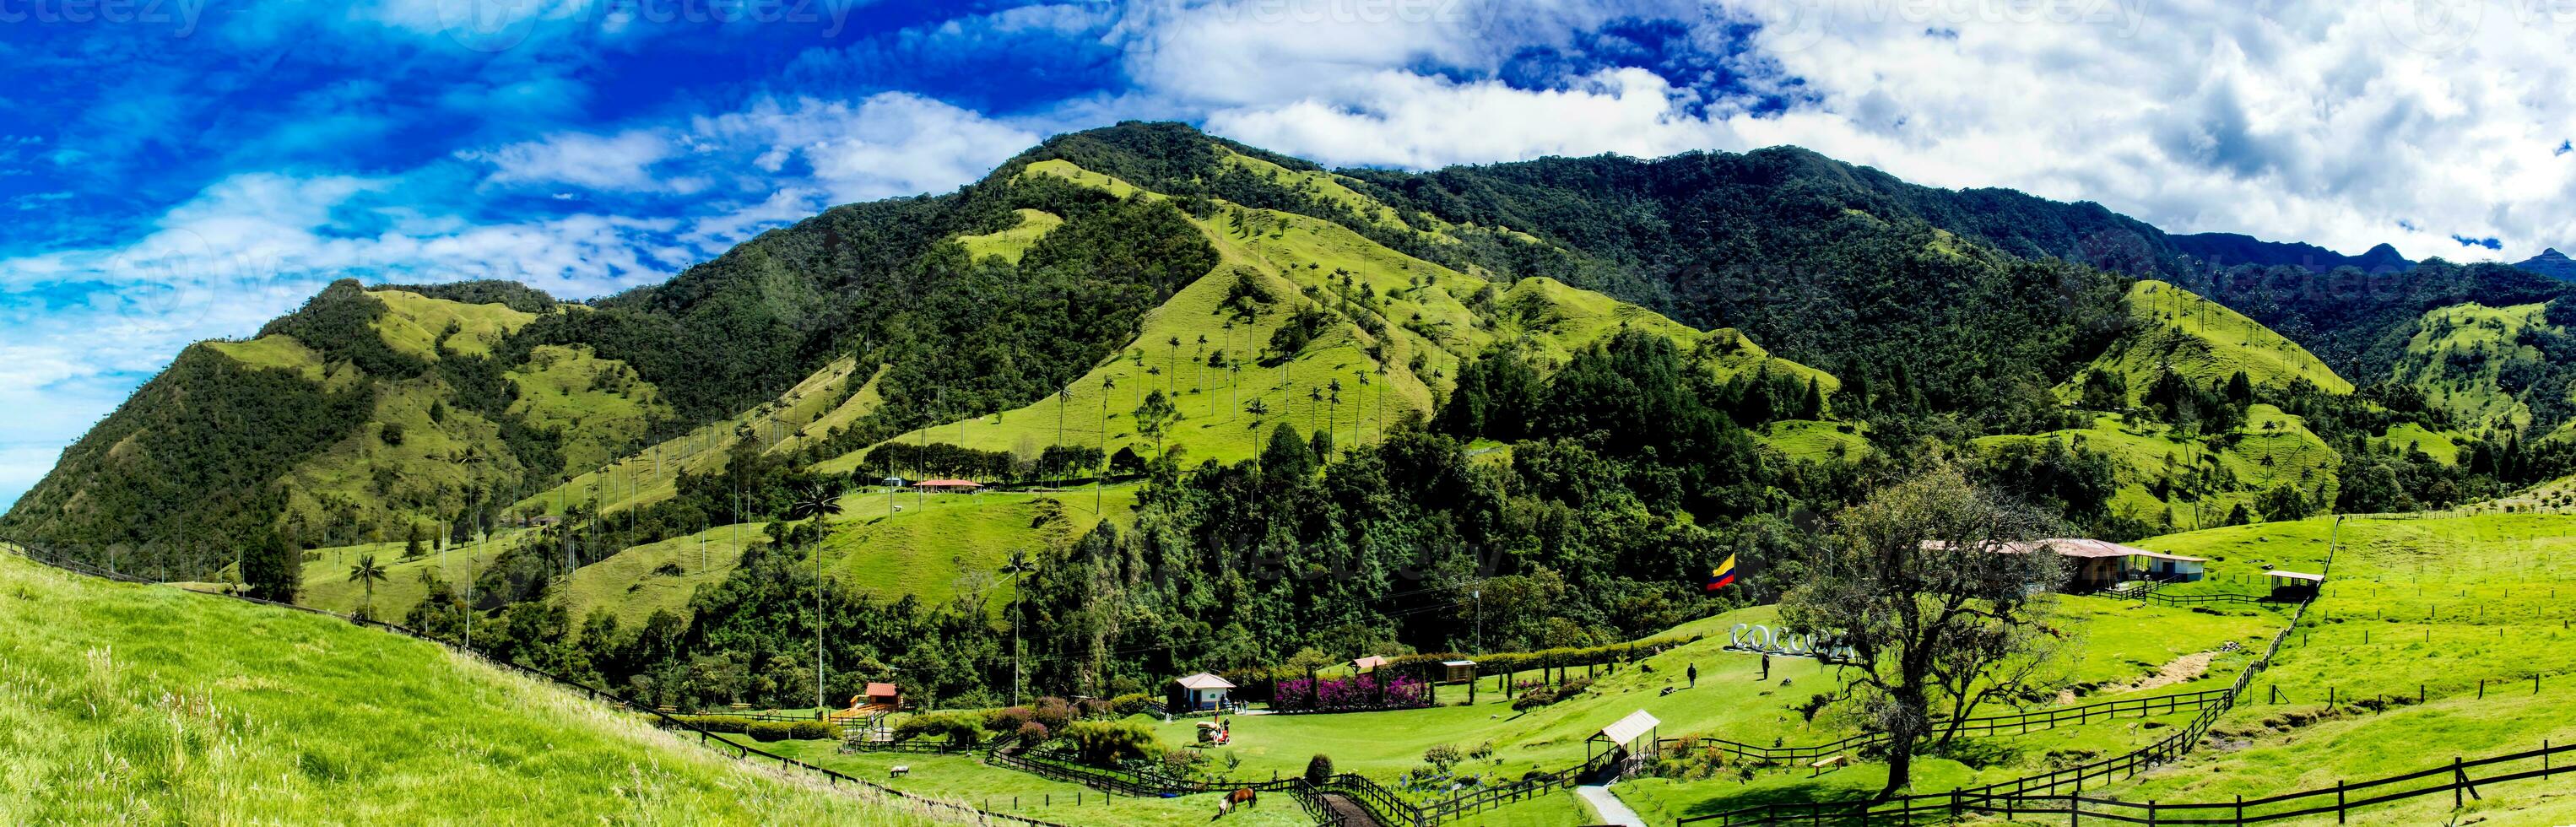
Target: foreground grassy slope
<point>148,704</point>
<point>2203,341</point>
<point>2426,608</point>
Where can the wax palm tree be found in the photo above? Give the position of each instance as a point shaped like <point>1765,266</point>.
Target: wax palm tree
<point>367,574</point>
<point>1176,365</point>
<point>815,503</point>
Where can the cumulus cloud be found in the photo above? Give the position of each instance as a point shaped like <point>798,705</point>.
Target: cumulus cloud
<point>2323,122</point>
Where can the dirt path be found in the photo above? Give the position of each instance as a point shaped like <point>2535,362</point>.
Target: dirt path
<point>2180,669</point>
<point>1350,812</point>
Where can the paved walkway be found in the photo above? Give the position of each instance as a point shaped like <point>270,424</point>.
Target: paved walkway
<point>1608,807</point>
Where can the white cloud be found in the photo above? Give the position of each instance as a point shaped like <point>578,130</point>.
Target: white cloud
<point>886,145</point>
<point>620,162</point>
<point>2327,122</point>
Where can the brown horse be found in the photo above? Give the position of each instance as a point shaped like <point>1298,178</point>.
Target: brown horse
<point>1244,796</point>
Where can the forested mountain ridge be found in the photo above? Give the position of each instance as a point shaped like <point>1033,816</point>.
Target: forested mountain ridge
<point>1814,302</point>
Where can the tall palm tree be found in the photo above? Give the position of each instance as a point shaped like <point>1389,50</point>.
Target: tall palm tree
<point>815,503</point>
<point>367,574</point>
<point>1176,365</point>
<point>1099,477</point>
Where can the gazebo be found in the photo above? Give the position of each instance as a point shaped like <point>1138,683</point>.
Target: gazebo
<point>1624,741</point>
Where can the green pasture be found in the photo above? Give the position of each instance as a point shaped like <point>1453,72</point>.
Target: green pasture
<point>326,583</point>
<point>938,546</point>
<point>145,704</point>
<point>636,582</point>
<point>967,779</point>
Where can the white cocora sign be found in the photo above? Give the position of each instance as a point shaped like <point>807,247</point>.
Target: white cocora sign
<point>1750,637</point>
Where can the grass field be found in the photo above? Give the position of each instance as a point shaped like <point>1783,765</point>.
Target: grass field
<point>122,703</point>
<point>633,584</point>
<point>275,352</point>
<point>941,544</point>
<point>968,779</point>
<point>2204,342</point>
<point>601,404</point>
<point>1812,441</point>
<point>1010,243</point>
<point>2117,642</point>
<point>805,412</point>
<point>2432,606</point>
<point>326,578</point>
<point>2442,446</point>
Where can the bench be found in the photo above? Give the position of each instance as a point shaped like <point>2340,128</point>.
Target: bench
<point>1820,764</point>
<point>899,771</point>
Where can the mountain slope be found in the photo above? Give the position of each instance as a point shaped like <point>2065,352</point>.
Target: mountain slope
<point>2202,342</point>
<point>2227,250</point>
<point>133,703</point>
<point>2551,263</point>
<point>1362,323</point>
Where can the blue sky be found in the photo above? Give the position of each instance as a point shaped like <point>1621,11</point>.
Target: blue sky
<point>175,170</point>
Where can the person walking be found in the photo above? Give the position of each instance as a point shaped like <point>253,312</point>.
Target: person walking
<point>1766,666</point>
<point>1693,674</point>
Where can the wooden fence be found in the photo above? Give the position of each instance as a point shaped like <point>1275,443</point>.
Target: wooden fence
<point>2008,797</point>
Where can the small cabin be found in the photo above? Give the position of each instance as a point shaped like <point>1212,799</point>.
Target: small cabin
<point>1457,671</point>
<point>1368,664</point>
<point>948,486</point>
<point>883,694</point>
<point>2294,586</point>
<point>1198,693</point>
<point>2167,568</point>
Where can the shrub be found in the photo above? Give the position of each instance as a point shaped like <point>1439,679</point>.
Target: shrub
<point>961,728</point>
<point>1032,734</point>
<point>1008,719</point>
<point>1053,712</point>
<point>1443,756</point>
<point>811,731</point>
<point>766,731</point>
<point>1130,704</point>
<point>716,723</point>
<point>1097,708</point>
<point>1319,769</point>
<point>1180,760</point>
<point>1105,743</point>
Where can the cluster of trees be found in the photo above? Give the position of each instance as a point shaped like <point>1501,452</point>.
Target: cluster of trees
<point>942,459</point>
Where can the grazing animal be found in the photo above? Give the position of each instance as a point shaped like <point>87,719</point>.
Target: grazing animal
<point>1224,806</point>
<point>1244,796</point>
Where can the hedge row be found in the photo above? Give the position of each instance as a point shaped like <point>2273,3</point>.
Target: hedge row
<point>762,730</point>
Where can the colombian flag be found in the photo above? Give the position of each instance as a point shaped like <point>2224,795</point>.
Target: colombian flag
<point>1722,575</point>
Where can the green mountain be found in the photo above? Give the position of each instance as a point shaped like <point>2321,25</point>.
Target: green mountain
<point>1585,380</point>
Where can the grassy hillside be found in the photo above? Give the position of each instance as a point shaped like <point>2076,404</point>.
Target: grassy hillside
<point>811,410</point>
<point>1394,329</point>
<point>1010,243</point>
<point>939,546</point>
<point>326,583</point>
<point>148,704</point>
<point>2203,341</point>
<point>636,582</point>
<point>2459,353</point>
<point>2415,607</point>
<point>2198,480</point>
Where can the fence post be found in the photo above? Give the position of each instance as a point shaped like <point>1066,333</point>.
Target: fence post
<point>2338,801</point>
<point>2240,809</point>
<point>2456,797</point>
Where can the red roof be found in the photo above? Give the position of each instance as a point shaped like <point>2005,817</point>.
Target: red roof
<point>948,484</point>
<point>879,690</point>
